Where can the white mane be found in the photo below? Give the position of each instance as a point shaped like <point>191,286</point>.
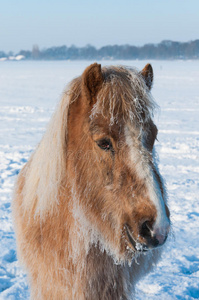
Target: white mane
<point>46,169</point>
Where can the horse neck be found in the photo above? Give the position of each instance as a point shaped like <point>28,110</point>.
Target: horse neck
<point>106,277</point>
<point>100,278</point>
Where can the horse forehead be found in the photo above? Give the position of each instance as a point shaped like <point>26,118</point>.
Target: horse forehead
<point>127,133</point>
<point>101,124</point>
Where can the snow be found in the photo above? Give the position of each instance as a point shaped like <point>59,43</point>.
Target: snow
<point>18,57</point>
<point>29,92</point>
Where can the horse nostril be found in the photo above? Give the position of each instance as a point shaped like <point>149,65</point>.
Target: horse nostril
<point>145,230</point>
<point>154,236</point>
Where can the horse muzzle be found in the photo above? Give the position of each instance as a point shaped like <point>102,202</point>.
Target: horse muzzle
<point>148,238</point>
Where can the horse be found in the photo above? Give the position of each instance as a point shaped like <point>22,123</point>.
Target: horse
<point>90,206</point>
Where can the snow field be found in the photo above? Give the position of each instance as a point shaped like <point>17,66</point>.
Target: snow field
<point>29,92</point>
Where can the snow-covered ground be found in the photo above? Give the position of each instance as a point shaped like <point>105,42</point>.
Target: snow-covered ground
<point>29,92</point>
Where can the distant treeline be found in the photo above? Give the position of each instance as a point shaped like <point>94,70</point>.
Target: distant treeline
<point>163,50</point>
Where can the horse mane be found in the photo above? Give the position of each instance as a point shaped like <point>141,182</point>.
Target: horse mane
<point>124,94</point>
<point>46,170</point>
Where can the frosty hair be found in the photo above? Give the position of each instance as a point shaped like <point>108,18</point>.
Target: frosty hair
<point>124,96</point>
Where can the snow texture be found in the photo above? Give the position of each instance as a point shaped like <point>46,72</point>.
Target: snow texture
<point>29,92</point>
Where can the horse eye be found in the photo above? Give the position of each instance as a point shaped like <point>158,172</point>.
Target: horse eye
<point>105,144</point>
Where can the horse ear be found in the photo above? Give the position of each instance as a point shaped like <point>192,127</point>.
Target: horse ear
<point>92,80</point>
<point>147,74</point>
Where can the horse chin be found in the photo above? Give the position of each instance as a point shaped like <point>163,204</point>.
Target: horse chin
<point>134,245</point>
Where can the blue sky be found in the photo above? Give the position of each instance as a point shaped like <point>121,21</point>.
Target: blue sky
<point>47,23</point>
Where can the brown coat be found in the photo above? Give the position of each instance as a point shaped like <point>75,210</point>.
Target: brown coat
<point>83,197</point>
